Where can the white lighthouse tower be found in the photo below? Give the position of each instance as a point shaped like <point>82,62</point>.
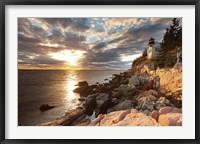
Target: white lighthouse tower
<point>152,48</point>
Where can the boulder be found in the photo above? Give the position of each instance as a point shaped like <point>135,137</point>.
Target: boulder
<point>129,117</point>
<point>144,104</point>
<point>114,101</point>
<point>103,102</point>
<point>163,102</point>
<point>97,120</point>
<point>45,107</point>
<point>102,89</point>
<point>73,117</point>
<point>146,112</point>
<point>126,90</point>
<point>170,119</point>
<point>144,79</point>
<point>83,84</point>
<point>115,94</point>
<point>123,115</point>
<point>134,80</point>
<point>81,99</point>
<point>127,104</point>
<point>168,116</point>
<point>137,119</point>
<point>151,72</point>
<point>69,118</point>
<point>176,110</point>
<point>166,110</point>
<point>83,91</point>
<point>90,104</point>
<point>106,79</point>
<point>155,115</point>
<point>110,87</point>
<point>101,98</point>
<point>153,92</point>
<point>152,96</point>
<point>147,101</point>
<point>83,88</point>
<point>125,81</point>
<point>113,118</point>
<point>98,102</point>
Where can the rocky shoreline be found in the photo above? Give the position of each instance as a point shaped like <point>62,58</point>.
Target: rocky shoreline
<point>145,97</point>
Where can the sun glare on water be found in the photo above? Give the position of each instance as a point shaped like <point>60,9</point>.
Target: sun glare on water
<point>70,56</point>
<point>71,97</point>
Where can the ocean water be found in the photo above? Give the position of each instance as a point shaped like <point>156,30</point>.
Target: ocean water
<point>53,87</point>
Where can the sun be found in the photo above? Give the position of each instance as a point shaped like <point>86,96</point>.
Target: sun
<point>72,57</point>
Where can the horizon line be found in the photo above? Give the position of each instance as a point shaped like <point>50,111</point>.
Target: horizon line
<point>81,69</point>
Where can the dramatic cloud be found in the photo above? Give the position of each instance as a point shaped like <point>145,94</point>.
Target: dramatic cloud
<point>85,43</point>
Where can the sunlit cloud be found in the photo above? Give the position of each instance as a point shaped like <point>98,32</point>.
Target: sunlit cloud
<point>129,58</point>
<point>85,43</point>
<point>49,45</point>
<point>72,57</point>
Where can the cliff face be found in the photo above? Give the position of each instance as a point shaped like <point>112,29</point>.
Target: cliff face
<point>170,82</point>
<point>150,98</point>
<point>170,79</point>
<point>157,101</point>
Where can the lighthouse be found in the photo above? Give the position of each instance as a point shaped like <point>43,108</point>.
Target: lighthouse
<point>152,48</point>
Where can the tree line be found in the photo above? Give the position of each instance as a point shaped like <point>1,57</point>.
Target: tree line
<point>172,36</point>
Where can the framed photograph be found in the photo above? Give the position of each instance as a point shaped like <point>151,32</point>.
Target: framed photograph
<point>99,72</point>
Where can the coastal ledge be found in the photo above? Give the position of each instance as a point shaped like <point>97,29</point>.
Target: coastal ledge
<point>167,116</point>
<point>71,118</point>
<point>155,96</point>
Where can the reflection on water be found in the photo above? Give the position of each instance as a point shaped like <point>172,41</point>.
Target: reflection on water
<point>51,87</point>
<point>71,97</point>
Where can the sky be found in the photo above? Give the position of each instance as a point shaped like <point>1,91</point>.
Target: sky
<point>85,43</point>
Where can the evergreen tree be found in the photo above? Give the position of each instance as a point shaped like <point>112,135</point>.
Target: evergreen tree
<point>173,35</point>
<point>179,37</point>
